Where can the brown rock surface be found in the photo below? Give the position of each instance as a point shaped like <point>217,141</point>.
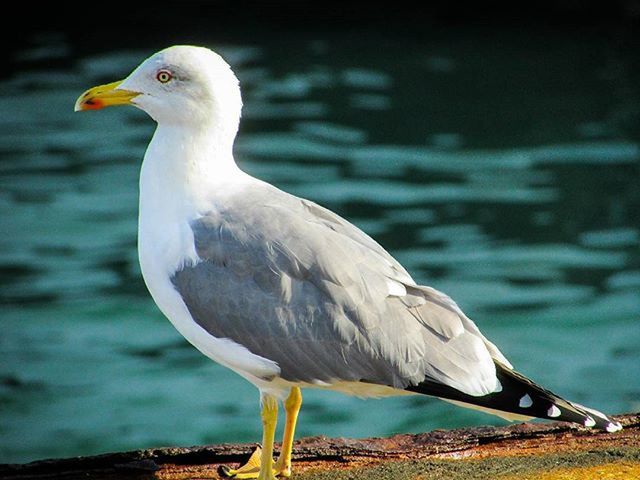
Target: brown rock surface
<point>524,451</point>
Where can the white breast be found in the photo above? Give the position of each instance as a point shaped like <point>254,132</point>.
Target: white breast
<point>166,244</point>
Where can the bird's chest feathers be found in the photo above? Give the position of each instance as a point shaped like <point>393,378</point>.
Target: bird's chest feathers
<point>165,238</point>
<point>183,176</point>
<point>165,247</point>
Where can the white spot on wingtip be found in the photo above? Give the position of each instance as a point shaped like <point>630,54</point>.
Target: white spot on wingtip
<point>613,427</point>
<point>589,422</point>
<point>554,411</point>
<point>525,402</point>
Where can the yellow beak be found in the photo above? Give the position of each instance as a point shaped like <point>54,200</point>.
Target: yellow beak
<point>104,96</point>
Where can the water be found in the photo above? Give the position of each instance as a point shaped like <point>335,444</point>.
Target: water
<point>500,168</point>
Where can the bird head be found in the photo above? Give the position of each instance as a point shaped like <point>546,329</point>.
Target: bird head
<point>178,85</point>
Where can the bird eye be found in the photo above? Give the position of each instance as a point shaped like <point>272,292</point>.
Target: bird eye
<point>164,76</point>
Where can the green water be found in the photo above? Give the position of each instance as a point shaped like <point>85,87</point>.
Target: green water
<point>502,168</point>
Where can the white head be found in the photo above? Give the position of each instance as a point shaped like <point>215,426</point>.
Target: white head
<point>180,85</point>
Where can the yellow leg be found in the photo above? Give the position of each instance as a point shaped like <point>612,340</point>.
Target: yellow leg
<point>292,407</point>
<point>256,466</point>
<point>269,422</point>
<point>260,464</point>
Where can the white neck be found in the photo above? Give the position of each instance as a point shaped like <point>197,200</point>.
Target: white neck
<point>185,153</point>
<point>184,166</point>
<point>186,172</point>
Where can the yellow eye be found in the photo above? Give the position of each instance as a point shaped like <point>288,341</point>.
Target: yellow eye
<point>164,76</point>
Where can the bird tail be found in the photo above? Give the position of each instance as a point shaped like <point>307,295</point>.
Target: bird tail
<point>520,399</point>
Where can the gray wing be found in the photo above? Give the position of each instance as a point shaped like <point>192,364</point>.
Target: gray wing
<point>297,284</point>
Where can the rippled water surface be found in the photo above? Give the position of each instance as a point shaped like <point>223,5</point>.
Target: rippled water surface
<point>503,170</point>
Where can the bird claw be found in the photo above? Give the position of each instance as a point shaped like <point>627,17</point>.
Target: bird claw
<point>251,469</point>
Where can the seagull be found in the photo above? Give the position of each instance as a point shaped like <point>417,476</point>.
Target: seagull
<point>282,291</point>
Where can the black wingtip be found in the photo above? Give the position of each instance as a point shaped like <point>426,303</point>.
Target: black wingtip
<point>521,396</point>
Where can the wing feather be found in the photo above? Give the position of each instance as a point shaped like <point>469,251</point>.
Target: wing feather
<point>297,284</point>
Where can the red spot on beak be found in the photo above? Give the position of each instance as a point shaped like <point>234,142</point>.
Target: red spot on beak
<point>93,104</point>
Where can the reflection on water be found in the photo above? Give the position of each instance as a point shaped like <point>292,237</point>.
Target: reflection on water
<point>505,180</point>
